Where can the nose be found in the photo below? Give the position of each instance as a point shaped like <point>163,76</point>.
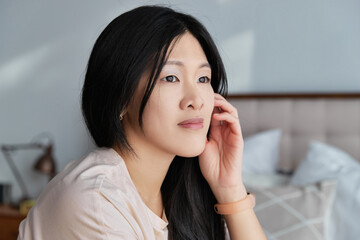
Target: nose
<point>192,99</point>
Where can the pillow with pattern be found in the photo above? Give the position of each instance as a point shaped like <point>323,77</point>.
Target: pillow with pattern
<point>294,212</point>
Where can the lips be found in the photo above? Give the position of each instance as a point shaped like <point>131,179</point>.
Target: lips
<point>193,123</point>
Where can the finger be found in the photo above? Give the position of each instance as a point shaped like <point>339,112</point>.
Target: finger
<point>226,107</point>
<point>214,121</point>
<point>218,96</point>
<point>231,120</point>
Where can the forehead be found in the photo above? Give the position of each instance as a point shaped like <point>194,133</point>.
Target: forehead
<point>186,46</point>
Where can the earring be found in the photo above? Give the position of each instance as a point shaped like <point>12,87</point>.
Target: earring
<point>122,115</point>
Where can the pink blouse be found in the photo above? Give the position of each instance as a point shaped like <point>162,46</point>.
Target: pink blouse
<point>92,198</point>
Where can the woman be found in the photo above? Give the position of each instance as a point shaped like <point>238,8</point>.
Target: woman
<point>170,146</point>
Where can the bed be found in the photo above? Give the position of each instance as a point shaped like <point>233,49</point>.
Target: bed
<point>302,160</point>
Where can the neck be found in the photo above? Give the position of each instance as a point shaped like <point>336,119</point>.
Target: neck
<point>147,170</point>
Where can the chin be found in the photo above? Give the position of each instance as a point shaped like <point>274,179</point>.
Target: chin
<point>191,150</point>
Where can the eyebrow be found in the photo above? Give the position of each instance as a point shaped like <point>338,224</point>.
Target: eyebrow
<point>181,64</point>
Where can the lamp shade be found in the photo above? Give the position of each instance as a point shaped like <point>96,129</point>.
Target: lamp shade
<point>46,163</point>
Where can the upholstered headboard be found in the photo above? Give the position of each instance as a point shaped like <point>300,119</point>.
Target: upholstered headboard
<point>331,118</point>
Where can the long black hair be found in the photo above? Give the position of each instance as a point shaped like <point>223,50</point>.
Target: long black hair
<point>135,42</point>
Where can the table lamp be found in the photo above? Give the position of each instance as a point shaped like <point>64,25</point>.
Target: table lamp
<point>45,163</point>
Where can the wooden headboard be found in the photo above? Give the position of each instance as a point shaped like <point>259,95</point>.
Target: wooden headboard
<point>333,118</point>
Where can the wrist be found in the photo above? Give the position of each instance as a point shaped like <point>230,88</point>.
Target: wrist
<point>229,195</point>
<point>235,207</point>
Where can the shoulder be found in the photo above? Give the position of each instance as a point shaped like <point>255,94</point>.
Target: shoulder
<point>79,202</point>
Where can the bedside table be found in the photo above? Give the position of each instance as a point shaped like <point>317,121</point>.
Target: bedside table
<point>10,219</point>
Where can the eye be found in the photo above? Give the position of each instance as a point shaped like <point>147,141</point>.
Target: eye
<point>204,79</point>
<point>170,78</point>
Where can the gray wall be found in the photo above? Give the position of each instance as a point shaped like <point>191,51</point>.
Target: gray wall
<point>267,46</point>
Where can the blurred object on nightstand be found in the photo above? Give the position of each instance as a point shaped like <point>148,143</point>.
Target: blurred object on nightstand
<point>25,206</point>
<point>45,163</point>
<point>10,219</point>
<point>5,193</point>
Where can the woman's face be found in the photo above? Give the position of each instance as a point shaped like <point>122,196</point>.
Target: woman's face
<point>183,91</point>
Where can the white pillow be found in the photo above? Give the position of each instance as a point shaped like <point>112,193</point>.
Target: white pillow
<point>327,162</point>
<point>261,152</point>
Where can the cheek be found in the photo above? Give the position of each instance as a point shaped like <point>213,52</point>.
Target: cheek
<point>209,103</point>
<point>160,111</point>
<point>210,99</point>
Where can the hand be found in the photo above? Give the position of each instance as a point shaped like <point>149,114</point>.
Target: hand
<point>221,160</point>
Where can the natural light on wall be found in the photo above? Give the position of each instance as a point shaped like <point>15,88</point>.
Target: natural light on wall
<point>238,52</point>
<point>19,68</point>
